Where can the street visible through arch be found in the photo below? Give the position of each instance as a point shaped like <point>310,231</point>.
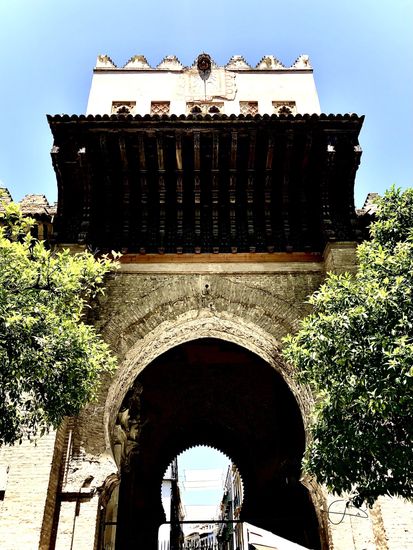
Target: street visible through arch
<point>216,393</point>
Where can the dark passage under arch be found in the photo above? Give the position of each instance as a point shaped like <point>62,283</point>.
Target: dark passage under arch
<point>213,392</point>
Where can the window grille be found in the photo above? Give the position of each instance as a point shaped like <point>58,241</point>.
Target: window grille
<point>248,107</point>
<point>160,107</point>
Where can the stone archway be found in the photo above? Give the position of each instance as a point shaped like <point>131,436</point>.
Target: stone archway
<point>215,392</point>
<point>191,325</point>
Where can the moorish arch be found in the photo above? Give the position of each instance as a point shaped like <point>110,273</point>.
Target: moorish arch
<point>214,383</point>
<point>196,324</point>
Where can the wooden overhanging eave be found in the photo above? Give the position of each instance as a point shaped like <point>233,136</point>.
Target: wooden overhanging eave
<point>206,184</point>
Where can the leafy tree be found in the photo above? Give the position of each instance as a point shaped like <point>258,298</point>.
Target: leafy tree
<point>50,360</point>
<point>355,351</point>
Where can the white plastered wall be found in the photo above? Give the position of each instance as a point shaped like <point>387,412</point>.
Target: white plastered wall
<point>144,86</point>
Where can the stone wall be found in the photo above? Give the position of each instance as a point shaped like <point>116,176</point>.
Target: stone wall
<point>22,510</point>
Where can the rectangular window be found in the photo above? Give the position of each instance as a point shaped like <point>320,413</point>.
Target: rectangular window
<point>160,107</point>
<point>123,107</point>
<point>248,107</point>
<point>284,107</point>
<point>204,107</point>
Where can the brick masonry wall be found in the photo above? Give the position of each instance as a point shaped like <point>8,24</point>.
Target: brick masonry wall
<point>56,477</point>
<point>388,525</point>
<point>397,518</point>
<point>350,529</point>
<point>66,524</point>
<point>77,531</point>
<point>21,513</point>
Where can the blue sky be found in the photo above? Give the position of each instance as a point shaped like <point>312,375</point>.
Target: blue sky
<point>361,51</point>
<point>194,464</point>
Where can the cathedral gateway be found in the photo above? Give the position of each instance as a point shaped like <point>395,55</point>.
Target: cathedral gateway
<point>229,195</point>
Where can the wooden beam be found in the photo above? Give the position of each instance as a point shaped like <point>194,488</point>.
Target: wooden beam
<point>161,229</point>
<point>162,211</point>
<point>161,192</point>
<point>250,205</point>
<point>160,151</point>
<point>267,205</point>
<point>251,150</point>
<point>179,223</point>
<point>197,151</point>
<point>285,196</point>
<point>85,175</point>
<point>178,150</point>
<point>125,214</point>
<point>179,188</point>
<point>161,188</point>
<point>303,206</point>
<point>232,184</point>
<point>144,213</point>
<point>327,178</point>
<point>232,190</point>
<point>179,209</point>
<point>144,193</point>
<point>141,147</point>
<point>197,201</point>
<point>270,153</point>
<point>215,209</point>
<point>215,151</point>
<point>106,169</point>
<point>234,147</point>
<point>268,170</point>
<point>244,257</point>
<point>268,189</point>
<point>197,192</point>
<point>250,191</point>
<point>122,152</point>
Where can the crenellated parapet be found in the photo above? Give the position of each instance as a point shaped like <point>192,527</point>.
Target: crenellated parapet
<point>235,63</point>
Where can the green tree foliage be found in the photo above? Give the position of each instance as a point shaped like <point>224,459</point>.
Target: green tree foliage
<point>355,351</point>
<point>50,360</point>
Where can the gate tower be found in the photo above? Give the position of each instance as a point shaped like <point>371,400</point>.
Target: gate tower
<point>229,196</point>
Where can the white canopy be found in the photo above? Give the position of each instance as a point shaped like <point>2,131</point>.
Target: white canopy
<point>265,540</point>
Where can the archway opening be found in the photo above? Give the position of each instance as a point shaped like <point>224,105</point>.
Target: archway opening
<point>217,393</point>
<point>202,496</point>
